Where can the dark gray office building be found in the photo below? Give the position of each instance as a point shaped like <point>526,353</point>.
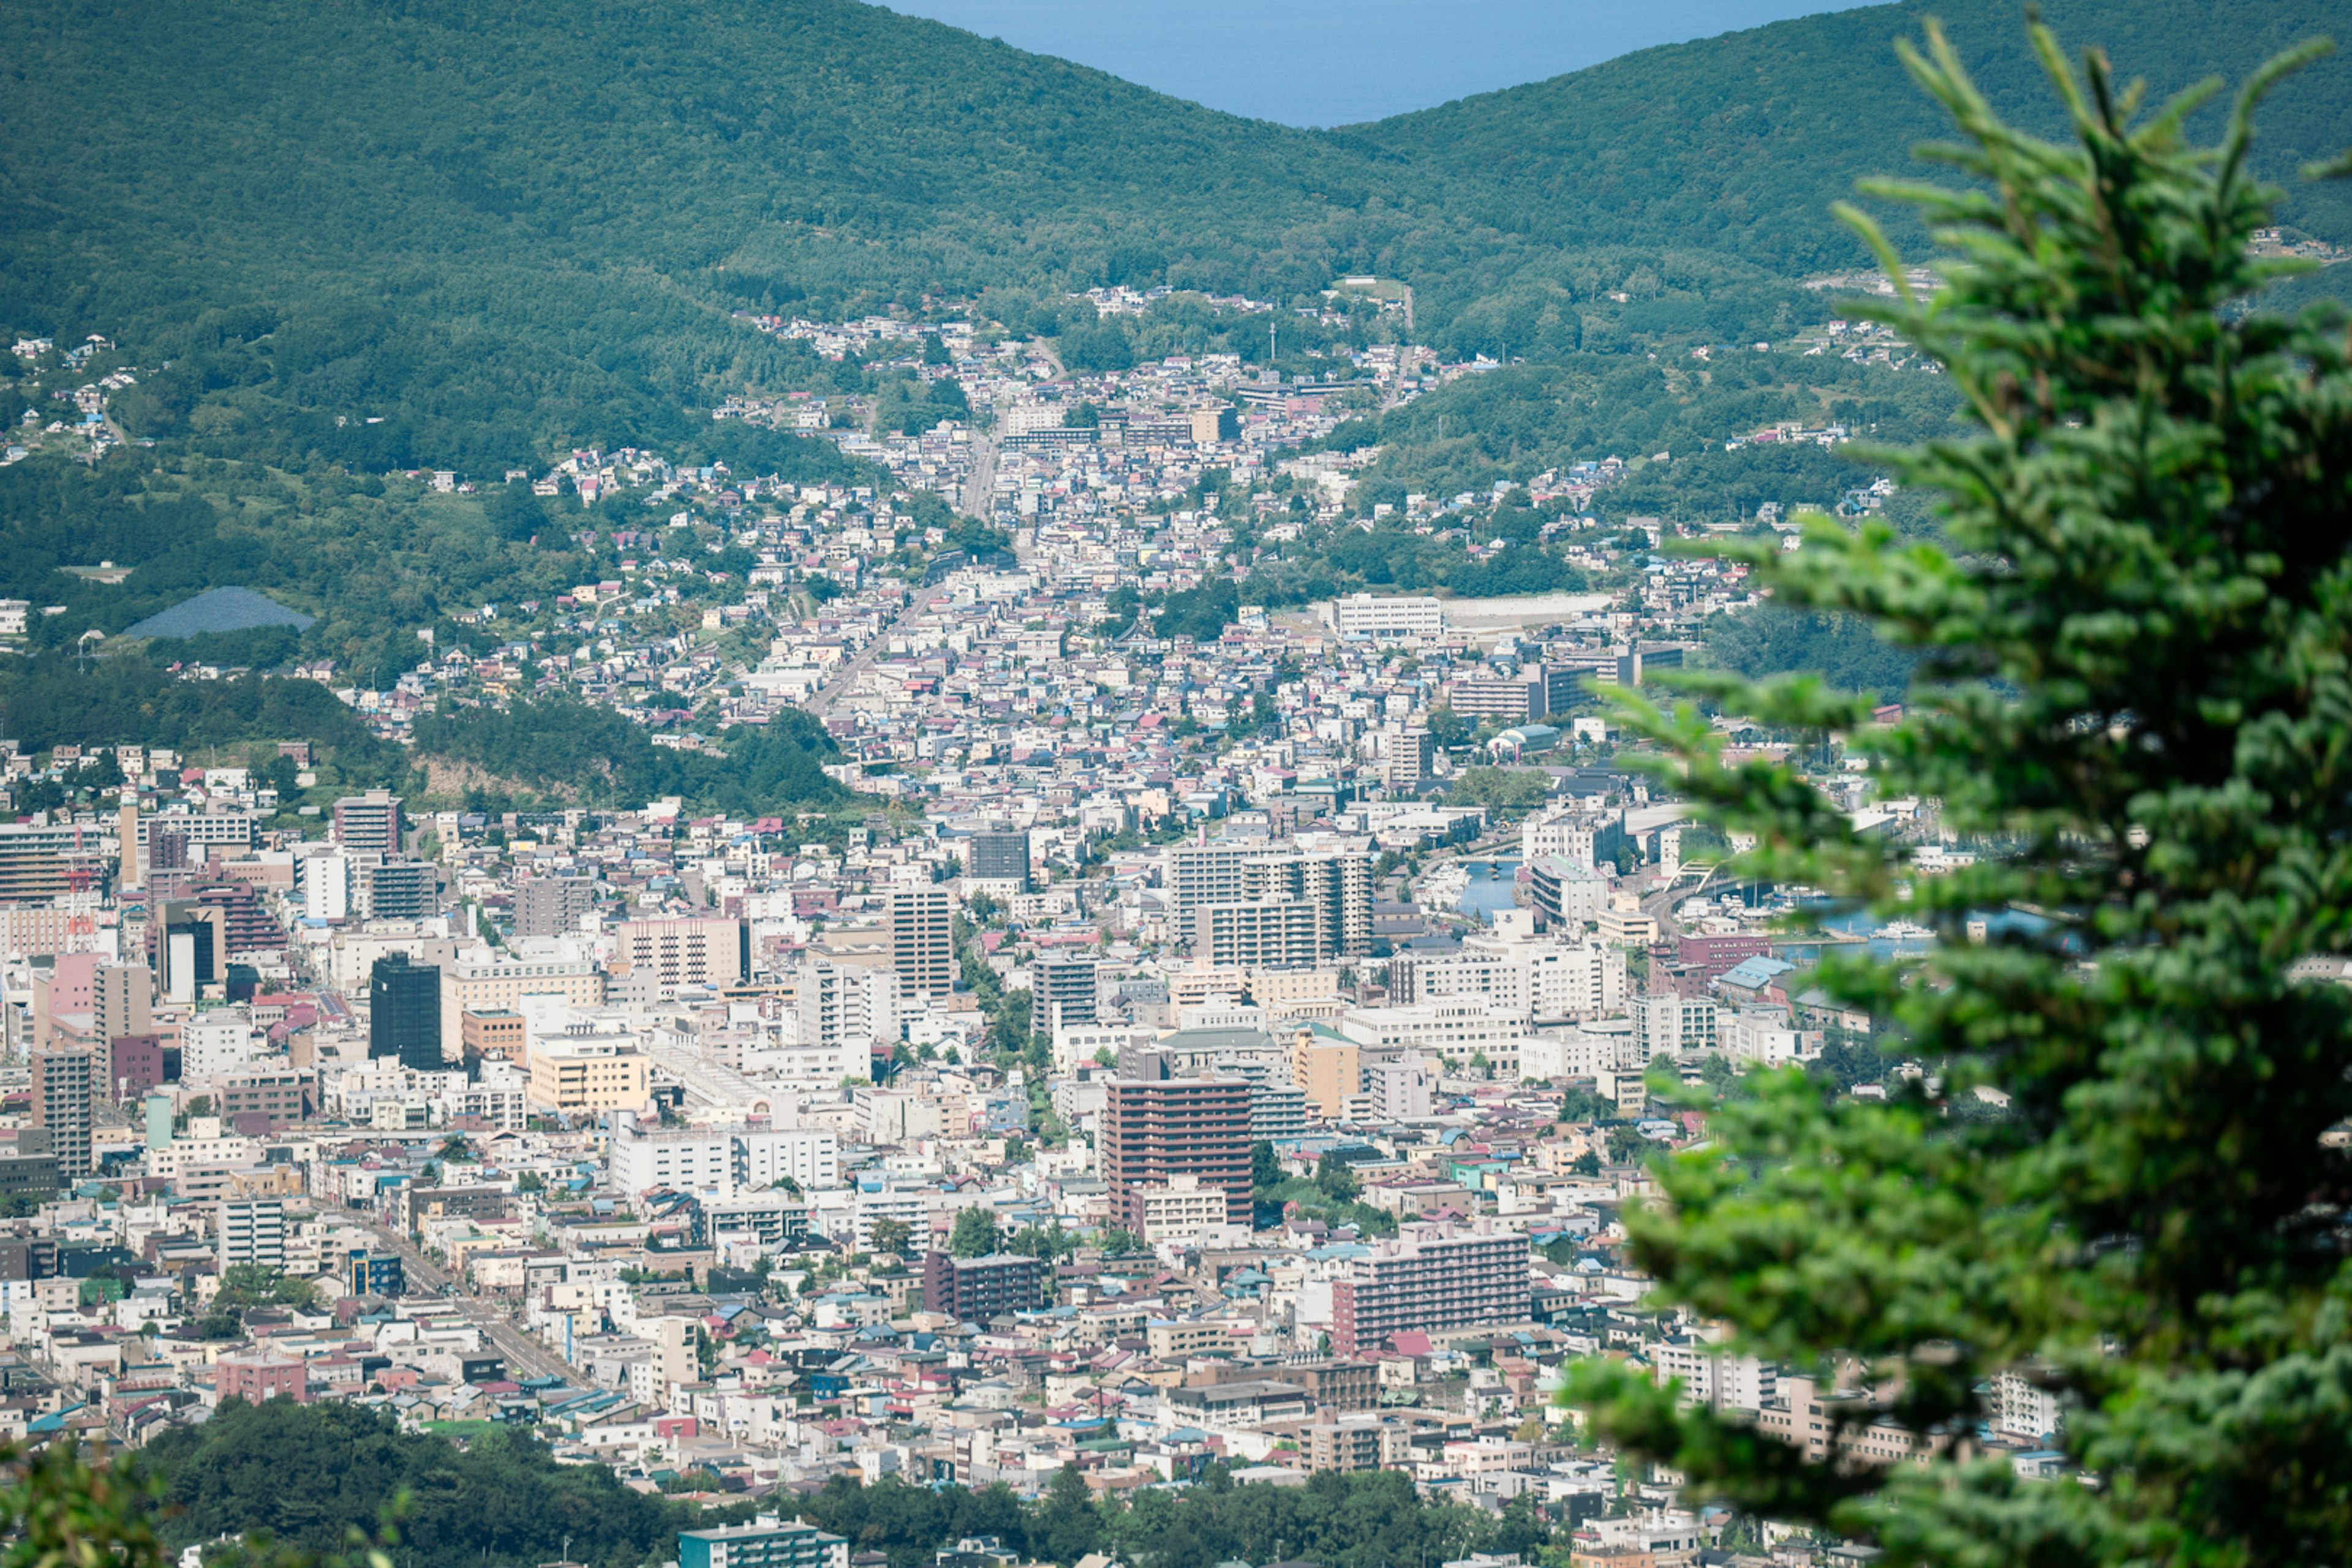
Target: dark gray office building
<point>405,1012</point>
<point>1000,855</point>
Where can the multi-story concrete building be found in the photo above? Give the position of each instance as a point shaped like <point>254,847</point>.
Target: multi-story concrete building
<point>1530,981</point>
<point>1431,1280</point>
<point>493,1033</point>
<point>591,1076</point>
<point>725,1160</point>
<point>1664,1024</point>
<point>1452,1029</point>
<point>1565,895</point>
<point>999,855</point>
<point>122,997</point>
<point>922,940</point>
<point>1338,888</point>
<point>251,1230</point>
<point>62,1089</point>
<point>499,982</point>
<point>808,1157</point>
<point>766,1543</point>
<point>702,951</point>
<point>552,905</point>
<point>1256,933</point>
<point>1388,619</point>
<point>1177,1209</point>
<point>974,1289</point>
<point>1399,1087</point>
<point>1244,905</point>
<point>405,1012</point>
<point>840,1011</point>
<point>1200,1127</point>
<point>1407,760</point>
<point>1277,1111</point>
<point>1063,991</point>
<point>261,1376</point>
<point>368,824</point>
<point>1356,1440</point>
<point>401,890</point>
<point>1327,1069</point>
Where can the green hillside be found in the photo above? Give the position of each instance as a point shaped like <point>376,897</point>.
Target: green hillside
<point>512,228</point>
<point>1738,143</point>
<point>504,231</point>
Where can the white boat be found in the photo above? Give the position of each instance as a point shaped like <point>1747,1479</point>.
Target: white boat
<point>1903,931</point>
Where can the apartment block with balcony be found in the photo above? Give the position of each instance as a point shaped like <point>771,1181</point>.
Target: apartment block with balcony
<point>1431,1280</point>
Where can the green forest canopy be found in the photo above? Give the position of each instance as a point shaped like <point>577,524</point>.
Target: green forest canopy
<point>502,233</point>
<point>305,1473</point>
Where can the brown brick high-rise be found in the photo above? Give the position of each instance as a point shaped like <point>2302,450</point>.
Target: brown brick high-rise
<point>1192,1126</point>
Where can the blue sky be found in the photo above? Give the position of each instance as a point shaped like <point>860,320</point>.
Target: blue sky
<point>1336,62</point>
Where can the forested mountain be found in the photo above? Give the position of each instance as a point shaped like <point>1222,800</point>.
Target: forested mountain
<point>1738,143</point>
<point>505,230</point>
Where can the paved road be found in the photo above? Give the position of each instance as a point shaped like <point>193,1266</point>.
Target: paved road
<point>525,1355</point>
<point>978,490</point>
<point>844,681</point>
<point>980,485</point>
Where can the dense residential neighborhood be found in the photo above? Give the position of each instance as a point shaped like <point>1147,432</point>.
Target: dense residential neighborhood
<point>1227,1041</point>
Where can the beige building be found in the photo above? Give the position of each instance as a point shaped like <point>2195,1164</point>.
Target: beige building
<point>501,983</point>
<point>1326,1070</point>
<point>701,950</point>
<point>1177,1210</point>
<point>589,1077</point>
<point>1359,1440</point>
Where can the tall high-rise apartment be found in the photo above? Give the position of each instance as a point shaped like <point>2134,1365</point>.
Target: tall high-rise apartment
<point>1431,1280</point>
<point>1064,991</point>
<point>922,940</point>
<point>369,823</point>
<point>1273,909</point>
<point>1179,1126</point>
<point>552,905</point>
<point>62,1086</point>
<point>122,1000</point>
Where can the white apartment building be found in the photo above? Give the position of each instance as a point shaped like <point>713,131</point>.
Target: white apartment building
<point>1764,1036</point>
<point>1674,1024</point>
<point>1596,1046</point>
<point>808,1157</point>
<point>1714,1377</point>
<point>725,1160</point>
<point>702,1161</point>
<point>1179,1210</point>
<point>2022,1409</point>
<point>252,1230</point>
<point>1565,835</point>
<point>1529,980</point>
<point>220,1041</point>
<point>845,1008</point>
<point>1453,1030</point>
<point>326,882</point>
<point>1400,1088</point>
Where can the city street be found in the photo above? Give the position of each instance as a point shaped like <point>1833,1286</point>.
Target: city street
<point>525,1356</point>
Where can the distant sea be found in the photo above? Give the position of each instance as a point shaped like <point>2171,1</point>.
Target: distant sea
<point>1343,62</point>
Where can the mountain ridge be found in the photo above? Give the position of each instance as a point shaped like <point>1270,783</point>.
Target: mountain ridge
<point>504,233</point>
